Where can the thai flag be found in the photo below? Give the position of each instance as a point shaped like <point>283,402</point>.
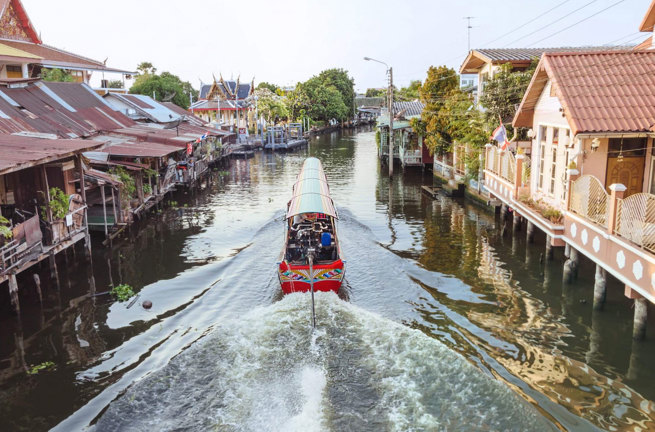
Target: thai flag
<point>500,135</point>
<point>203,136</point>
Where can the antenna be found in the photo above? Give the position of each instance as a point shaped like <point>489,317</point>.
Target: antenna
<point>468,31</point>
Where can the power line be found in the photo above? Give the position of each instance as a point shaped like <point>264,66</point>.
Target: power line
<point>553,22</point>
<point>526,23</point>
<point>578,22</point>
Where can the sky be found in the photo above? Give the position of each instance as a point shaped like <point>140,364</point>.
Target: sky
<point>287,41</point>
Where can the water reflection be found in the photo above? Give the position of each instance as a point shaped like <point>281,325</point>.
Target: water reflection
<point>441,266</point>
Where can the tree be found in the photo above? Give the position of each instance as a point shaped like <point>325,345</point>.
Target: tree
<point>504,92</point>
<point>339,79</point>
<point>409,93</point>
<point>264,85</point>
<point>320,101</point>
<point>271,106</point>
<point>376,92</point>
<point>115,84</point>
<point>56,74</point>
<point>440,84</point>
<point>162,87</point>
<point>145,68</point>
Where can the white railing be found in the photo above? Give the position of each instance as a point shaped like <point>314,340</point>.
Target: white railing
<point>589,199</point>
<point>507,166</point>
<point>413,156</point>
<point>635,219</point>
<point>501,163</point>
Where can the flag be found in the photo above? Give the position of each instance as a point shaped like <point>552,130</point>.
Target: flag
<point>203,136</point>
<point>189,148</point>
<point>500,135</point>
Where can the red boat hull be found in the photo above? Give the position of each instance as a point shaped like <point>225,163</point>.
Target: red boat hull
<point>295,278</point>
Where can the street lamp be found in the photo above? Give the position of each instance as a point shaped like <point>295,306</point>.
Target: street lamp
<point>390,107</point>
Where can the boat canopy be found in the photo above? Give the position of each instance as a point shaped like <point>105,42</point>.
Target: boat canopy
<point>311,193</point>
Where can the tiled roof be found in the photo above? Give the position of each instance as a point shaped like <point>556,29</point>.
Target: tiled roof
<point>408,109</point>
<point>612,91</point>
<point>244,89</point>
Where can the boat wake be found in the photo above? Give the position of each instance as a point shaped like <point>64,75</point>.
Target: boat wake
<point>358,371</point>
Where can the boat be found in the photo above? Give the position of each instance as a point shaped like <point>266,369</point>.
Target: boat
<point>311,259</point>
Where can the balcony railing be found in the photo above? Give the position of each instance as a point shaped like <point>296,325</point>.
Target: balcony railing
<point>589,199</point>
<point>502,163</point>
<point>635,219</point>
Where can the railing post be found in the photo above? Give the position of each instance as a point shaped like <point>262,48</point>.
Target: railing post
<point>573,176</point>
<point>617,191</point>
<point>487,150</point>
<point>518,175</point>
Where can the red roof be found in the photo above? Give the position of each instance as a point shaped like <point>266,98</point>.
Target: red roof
<point>649,19</point>
<point>20,152</point>
<point>611,91</point>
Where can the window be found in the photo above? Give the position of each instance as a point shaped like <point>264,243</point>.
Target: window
<point>632,147</point>
<point>542,151</point>
<point>553,169</point>
<point>566,173</point>
<point>543,133</point>
<point>14,72</point>
<point>555,136</point>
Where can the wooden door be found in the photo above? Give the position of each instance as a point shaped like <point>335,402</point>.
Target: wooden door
<point>629,172</point>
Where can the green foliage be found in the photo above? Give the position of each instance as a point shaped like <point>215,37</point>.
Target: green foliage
<point>321,102</point>
<point>58,204</point>
<point>550,213</point>
<point>164,86</point>
<point>504,92</point>
<point>115,84</point>
<point>329,95</point>
<point>149,173</point>
<point>35,369</point>
<point>409,93</point>
<point>147,189</point>
<point>58,75</point>
<point>339,79</point>
<point>146,68</point>
<point>122,292</point>
<point>5,230</point>
<point>129,185</point>
<point>373,92</point>
<point>440,84</point>
<point>264,85</point>
<point>271,106</point>
<point>377,138</point>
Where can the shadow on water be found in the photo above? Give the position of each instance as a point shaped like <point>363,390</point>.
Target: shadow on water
<point>446,324</point>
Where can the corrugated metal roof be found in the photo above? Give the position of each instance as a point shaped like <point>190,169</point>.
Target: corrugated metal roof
<point>20,152</point>
<point>188,116</point>
<point>408,109</point>
<point>527,54</point>
<point>611,91</point>
<point>52,56</point>
<point>226,105</point>
<point>152,109</point>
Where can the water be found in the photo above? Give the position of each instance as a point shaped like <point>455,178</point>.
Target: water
<point>442,323</point>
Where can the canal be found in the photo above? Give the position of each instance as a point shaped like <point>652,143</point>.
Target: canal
<point>442,324</point>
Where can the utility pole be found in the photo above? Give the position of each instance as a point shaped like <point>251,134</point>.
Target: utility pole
<point>390,122</point>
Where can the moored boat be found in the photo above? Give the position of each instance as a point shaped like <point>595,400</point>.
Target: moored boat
<point>311,249</point>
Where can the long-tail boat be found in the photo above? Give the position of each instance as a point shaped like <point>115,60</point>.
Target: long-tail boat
<point>311,258</point>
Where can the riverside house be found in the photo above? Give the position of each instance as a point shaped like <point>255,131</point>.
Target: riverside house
<point>589,181</point>
<point>24,55</point>
<point>37,225</point>
<point>408,144</point>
